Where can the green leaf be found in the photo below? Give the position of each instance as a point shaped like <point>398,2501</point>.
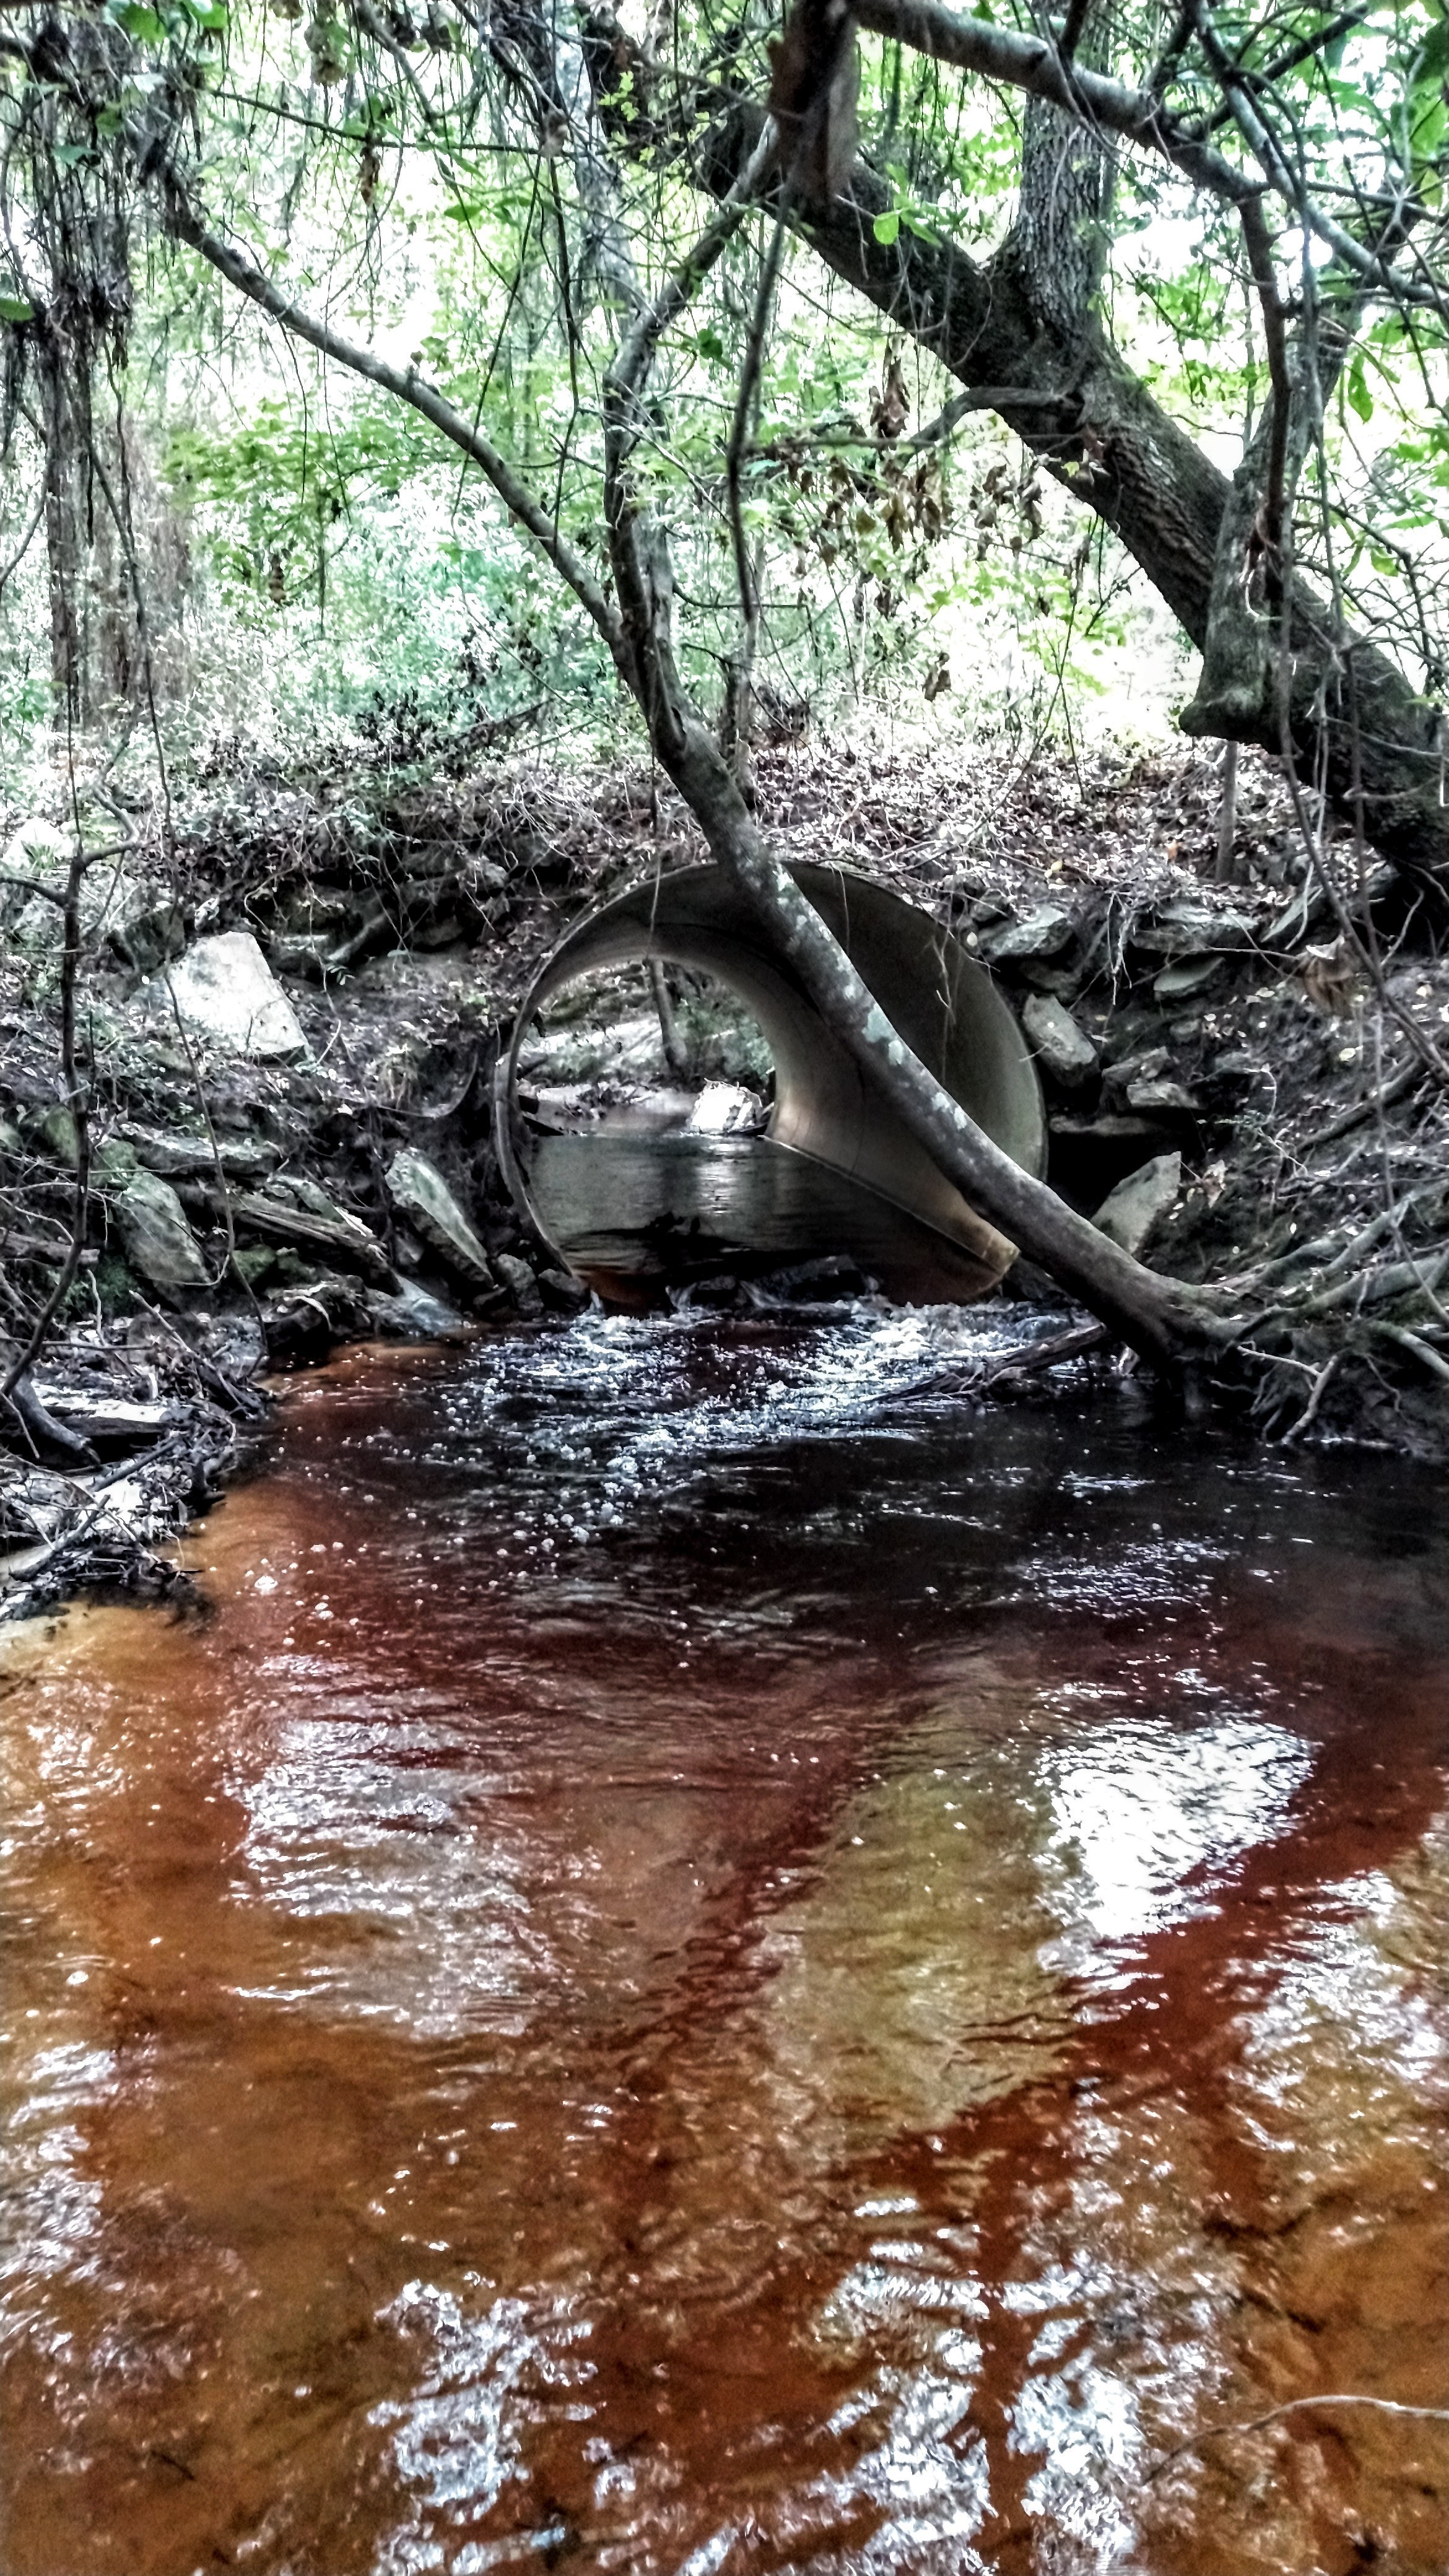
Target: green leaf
<point>464,210</point>
<point>1356,389</point>
<point>1385,564</point>
<point>139,22</point>
<point>1432,59</point>
<point>13,308</point>
<point>886,227</point>
<point>708,344</point>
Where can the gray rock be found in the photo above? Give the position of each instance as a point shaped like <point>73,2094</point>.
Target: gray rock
<point>1131,1213</point>
<point>1186,929</point>
<point>411,1315</point>
<point>181,1157</point>
<point>521,1283</point>
<point>419,1192</point>
<point>1160,1094</point>
<point>1042,933</point>
<point>561,1289</point>
<point>157,1235</point>
<point>1190,975</point>
<point>1058,1042</point>
<point>225,991</point>
<point>1148,1064</point>
<point>146,929</point>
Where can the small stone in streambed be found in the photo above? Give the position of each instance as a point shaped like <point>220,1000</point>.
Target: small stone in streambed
<point>1060,1045</point>
<point>156,1232</point>
<point>411,1315</point>
<point>1130,1214</point>
<point>254,1263</point>
<point>1160,1095</point>
<point>520,1282</point>
<point>1191,975</point>
<point>1189,929</point>
<point>179,1157</point>
<point>560,1289</point>
<point>60,1138</point>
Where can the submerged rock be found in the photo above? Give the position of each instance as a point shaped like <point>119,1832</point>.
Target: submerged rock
<point>156,1232</point>
<point>521,1283</point>
<point>411,1315</point>
<point>224,990</point>
<point>419,1192</point>
<point>1130,1213</point>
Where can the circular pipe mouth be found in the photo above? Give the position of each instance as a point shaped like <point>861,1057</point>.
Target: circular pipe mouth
<point>878,1193</point>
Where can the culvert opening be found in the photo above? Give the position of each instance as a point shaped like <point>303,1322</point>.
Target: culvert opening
<point>674,1107</point>
<point>647,1046</point>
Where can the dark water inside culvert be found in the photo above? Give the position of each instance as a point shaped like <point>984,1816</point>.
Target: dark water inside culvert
<point>697,1972</point>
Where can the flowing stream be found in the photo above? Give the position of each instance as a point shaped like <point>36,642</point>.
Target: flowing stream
<point>712,1963</point>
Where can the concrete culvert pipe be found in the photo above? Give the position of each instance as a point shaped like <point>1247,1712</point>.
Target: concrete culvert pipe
<point>633,1204</point>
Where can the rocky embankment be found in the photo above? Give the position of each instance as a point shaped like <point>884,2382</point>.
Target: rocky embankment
<point>288,1029</point>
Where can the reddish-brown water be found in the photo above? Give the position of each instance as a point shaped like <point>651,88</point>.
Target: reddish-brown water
<point>698,1973</point>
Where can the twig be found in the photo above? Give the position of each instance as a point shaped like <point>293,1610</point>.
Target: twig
<point>1294,2406</point>
<point>1316,1394</point>
<point>972,1379</point>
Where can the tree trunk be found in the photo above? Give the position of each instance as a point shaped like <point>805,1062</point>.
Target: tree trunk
<point>1075,402</point>
<point>67,549</point>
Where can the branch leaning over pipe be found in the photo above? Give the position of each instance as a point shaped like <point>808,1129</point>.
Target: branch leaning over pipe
<point>1162,1319</point>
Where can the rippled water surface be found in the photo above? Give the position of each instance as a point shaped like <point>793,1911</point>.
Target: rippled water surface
<point>714,1964</point>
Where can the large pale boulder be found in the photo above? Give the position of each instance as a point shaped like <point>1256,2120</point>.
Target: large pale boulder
<point>225,992</point>
<point>1130,1213</point>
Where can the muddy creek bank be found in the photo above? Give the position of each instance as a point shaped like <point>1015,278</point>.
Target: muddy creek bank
<point>699,1971</point>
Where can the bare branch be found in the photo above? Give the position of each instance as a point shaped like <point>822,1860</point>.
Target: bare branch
<point>405,384</point>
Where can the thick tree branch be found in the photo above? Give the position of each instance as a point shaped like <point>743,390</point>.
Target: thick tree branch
<point>1158,1317</point>
<point>1076,403</point>
<point>1033,64</point>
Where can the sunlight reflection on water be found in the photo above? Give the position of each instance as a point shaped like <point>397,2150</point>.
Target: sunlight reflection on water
<point>703,1970</point>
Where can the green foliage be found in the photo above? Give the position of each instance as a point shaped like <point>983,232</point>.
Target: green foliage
<point>391,171</point>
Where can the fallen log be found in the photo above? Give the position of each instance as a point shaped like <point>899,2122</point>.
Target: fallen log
<point>251,1213</point>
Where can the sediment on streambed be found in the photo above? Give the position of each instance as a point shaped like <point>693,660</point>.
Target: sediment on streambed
<point>288,1031</point>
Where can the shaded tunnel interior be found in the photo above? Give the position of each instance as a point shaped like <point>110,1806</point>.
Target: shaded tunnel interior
<point>635,1204</point>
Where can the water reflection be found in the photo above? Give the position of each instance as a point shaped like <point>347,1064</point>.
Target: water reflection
<point>711,1964</point>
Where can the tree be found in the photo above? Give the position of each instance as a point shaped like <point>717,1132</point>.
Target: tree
<point>1021,329</point>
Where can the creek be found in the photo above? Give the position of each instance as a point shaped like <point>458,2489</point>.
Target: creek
<point>712,1962</point>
